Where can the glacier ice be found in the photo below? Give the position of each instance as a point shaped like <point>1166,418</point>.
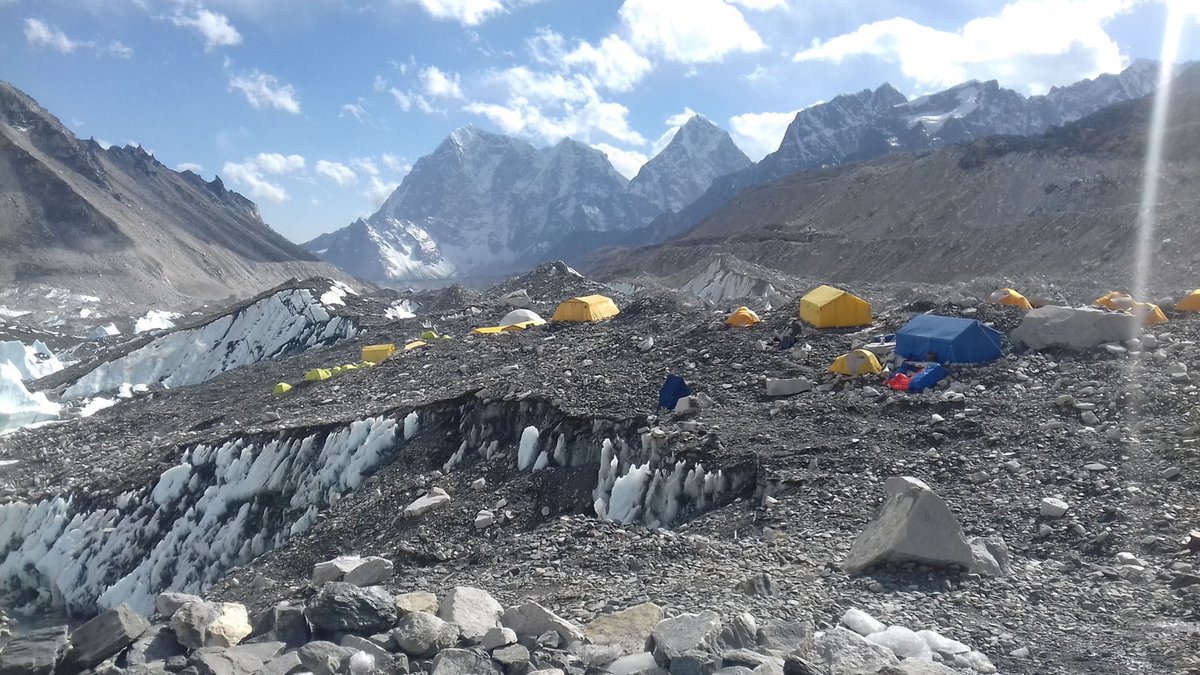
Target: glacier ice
<point>527,450</point>
<point>18,406</point>
<point>155,320</point>
<point>33,361</point>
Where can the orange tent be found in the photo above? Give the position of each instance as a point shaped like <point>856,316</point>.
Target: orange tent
<point>1007,296</point>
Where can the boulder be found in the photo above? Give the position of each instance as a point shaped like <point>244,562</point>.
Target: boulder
<point>694,662</point>
<point>498,637</point>
<point>640,662</point>
<point>788,387</point>
<point>913,525</point>
<point>166,603</point>
<point>629,628</point>
<point>417,601</point>
<point>990,556</point>
<point>463,662</point>
<point>37,652</point>
<point>913,667</point>
<point>860,622</point>
<point>210,624</point>
<point>740,633</point>
<point>104,635</point>
<point>334,570</point>
<point>324,658</point>
<point>512,657</point>
<point>484,519</point>
<point>246,659</point>
<point>421,634</point>
<point>433,500</point>
<point>474,611</point>
<point>283,664</point>
<point>288,625</point>
<point>156,644</point>
<point>686,632</point>
<point>343,607</point>
<point>373,570</point>
<point>1053,508</point>
<point>532,619</point>
<point>843,652</point>
<point>1075,328</point>
<point>518,299</point>
<point>787,636</point>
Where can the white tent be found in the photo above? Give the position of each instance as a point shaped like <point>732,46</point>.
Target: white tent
<point>521,316</point>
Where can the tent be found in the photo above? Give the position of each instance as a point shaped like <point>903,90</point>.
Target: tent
<point>317,374</point>
<point>377,353</point>
<point>526,316</point>
<point>948,340</point>
<point>520,326</point>
<point>829,307</point>
<point>742,317</point>
<point>414,344</point>
<point>1007,296</point>
<point>857,362</point>
<point>1149,313</point>
<point>1115,300</point>
<point>281,388</point>
<point>488,330</point>
<point>586,308</point>
<point>672,390</point>
<point>1189,302</point>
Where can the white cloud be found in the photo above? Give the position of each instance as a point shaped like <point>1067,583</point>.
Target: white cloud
<point>466,12</point>
<point>357,110</point>
<point>378,191</point>
<point>697,31</point>
<point>264,91</point>
<point>250,174</point>
<point>41,34</point>
<point>395,164</point>
<point>365,165</point>
<point>626,162</point>
<point>214,27</point>
<point>189,166</point>
<point>761,5</point>
<point>614,63</point>
<point>403,100</point>
<point>437,83</point>
<point>273,162</point>
<point>1031,44</point>
<point>336,172</point>
<point>119,50</point>
<point>760,133</point>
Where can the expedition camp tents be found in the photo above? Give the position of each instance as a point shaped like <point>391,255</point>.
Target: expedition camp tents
<point>586,308</point>
<point>856,362</point>
<point>377,353</point>
<point>317,374</point>
<point>1007,296</point>
<point>946,339</point>
<point>829,307</point>
<point>525,316</point>
<point>1189,302</point>
<point>1115,300</point>
<point>742,317</point>
<point>672,390</point>
<point>1148,313</point>
<point>281,389</point>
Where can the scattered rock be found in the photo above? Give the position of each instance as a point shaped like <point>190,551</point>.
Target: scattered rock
<point>533,620</point>
<point>324,658</point>
<point>104,635</point>
<point>167,603</point>
<point>842,652</point>
<point>498,637</point>
<point>334,570</point>
<point>436,499</point>
<point>245,659</point>
<point>628,628</point>
<point>421,634</point>
<point>463,662</point>
<point>788,387</point>
<point>344,607</point>
<point>484,519</point>
<point>474,611</point>
<point>1053,508</point>
<point>210,624</point>
<point>372,571</point>
<point>417,601</point>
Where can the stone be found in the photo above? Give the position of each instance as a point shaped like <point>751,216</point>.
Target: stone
<point>344,607</point>
<point>631,664</point>
<point>373,571</point>
<point>288,625</point>
<point>156,644</point>
<point>463,662</point>
<point>913,525</point>
<point>334,570</point>
<point>903,642</point>
<point>629,628</point>
<point>843,652</point>
<point>759,584</point>
<point>421,634</point>
<point>324,658</point>
<point>484,519</point>
<point>694,662</point>
<point>990,556</point>
<point>646,345</point>
<point>210,624</point>
<point>672,637</point>
<point>435,499</point>
<point>547,671</point>
<point>381,657</point>
<point>37,652</point>
<point>245,659</point>
<point>474,611</point>
<point>512,656</point>
<point>104,635</point>
<point>479,484</point>
<point>897,484</point>
<point>1073,328</point>
<point>741,632</point>
<point>787,636</point>
<point>167,603</point>
<point>1053,508</point>
<point>282,664</point>
<point>787,387</point>
<point>518,299</point>
<point>913,667</point>
<point>1170,473</point>
<point>417,601</point>
<point>498,637</point>
<point>860,622</point>
<point>533,619</point>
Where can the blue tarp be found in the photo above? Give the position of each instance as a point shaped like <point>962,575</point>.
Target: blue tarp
<point>927,377</point>
<point>949,339</point>
<point>672,390</point>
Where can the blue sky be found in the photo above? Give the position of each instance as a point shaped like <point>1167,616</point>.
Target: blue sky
<point>316,109</point>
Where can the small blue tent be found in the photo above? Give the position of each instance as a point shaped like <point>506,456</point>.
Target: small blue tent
<point>672,390</point>
<point>951,339</point>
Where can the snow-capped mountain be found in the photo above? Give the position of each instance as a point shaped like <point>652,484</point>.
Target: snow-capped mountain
<point>872,123</point>
<point>485,203</point>
<point>699,152</point>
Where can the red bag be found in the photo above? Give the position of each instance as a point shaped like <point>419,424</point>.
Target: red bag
<point>899,382</point>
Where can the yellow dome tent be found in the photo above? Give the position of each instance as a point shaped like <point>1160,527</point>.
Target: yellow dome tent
<point>377,353</point>
<point>1007,296</point>
<point>1115,300</point>
<point>742,317</point>
<point>281,389</point>
<point>317,374</point>
<point>857,362</point>
<point>586,308</point>
<point>1189,302</point>
<point>829,307</point>
<point>1149,313</point>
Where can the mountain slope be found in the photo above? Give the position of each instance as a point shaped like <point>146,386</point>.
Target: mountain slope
<point>118,223</point>
<point>869,124</point>
<point>1063,204</point>
<point>699,152</point>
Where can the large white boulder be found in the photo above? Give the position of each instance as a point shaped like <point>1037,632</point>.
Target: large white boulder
<point>210,624</point>
<point>1073,327</point>
<point>914,524</point>
<point>474,611</point>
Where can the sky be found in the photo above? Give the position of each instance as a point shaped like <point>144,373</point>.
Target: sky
<point>316,109</point>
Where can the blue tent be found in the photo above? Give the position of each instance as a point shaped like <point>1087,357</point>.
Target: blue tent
<point>672,390</point>
<point>950,339</point>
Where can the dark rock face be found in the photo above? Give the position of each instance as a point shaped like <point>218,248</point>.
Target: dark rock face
<point>105,635</point>
<point>35,653</point>
<point>340,606</point>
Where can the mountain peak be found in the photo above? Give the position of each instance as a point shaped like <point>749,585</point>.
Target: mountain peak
<point>698,152</point>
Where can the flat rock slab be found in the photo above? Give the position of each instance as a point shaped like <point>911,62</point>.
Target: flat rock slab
<point>463,662</point>
<point>629,628</point>
<point>104,635</point>
<point>686,632</point>
<point>37,652</point>
<point>533,620</point>
<point>913,525</point>
<point>474,611</point>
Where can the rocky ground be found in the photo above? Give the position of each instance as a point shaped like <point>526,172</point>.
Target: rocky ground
<point>1107,587</point>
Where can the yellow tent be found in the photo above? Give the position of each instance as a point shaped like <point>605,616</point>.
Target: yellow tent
<point>857,362</point>
<point>1007,296</point>
<point>1189,302</point>
<point>1115,300</point>
<point>487,330</point>
<point>829,307</point>
<point>377,353</point>
<point>414,344</point>
<point>317,374</point>
<point>336,370</point>
<point>1149,313</point>
<point>281,388</point>
<point>520,326</point>
<point>742,317</point>
<point>586,308</point>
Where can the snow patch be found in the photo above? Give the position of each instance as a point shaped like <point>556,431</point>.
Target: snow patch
<point>18,406</point>
<point>403,309</point>
<point>155,320</point>
<point>336,295</point>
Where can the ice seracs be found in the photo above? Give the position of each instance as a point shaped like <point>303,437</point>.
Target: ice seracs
<point>33,361</point>
<point>18,406</point>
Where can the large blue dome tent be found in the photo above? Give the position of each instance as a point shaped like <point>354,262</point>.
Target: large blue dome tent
<point>948,339</point>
